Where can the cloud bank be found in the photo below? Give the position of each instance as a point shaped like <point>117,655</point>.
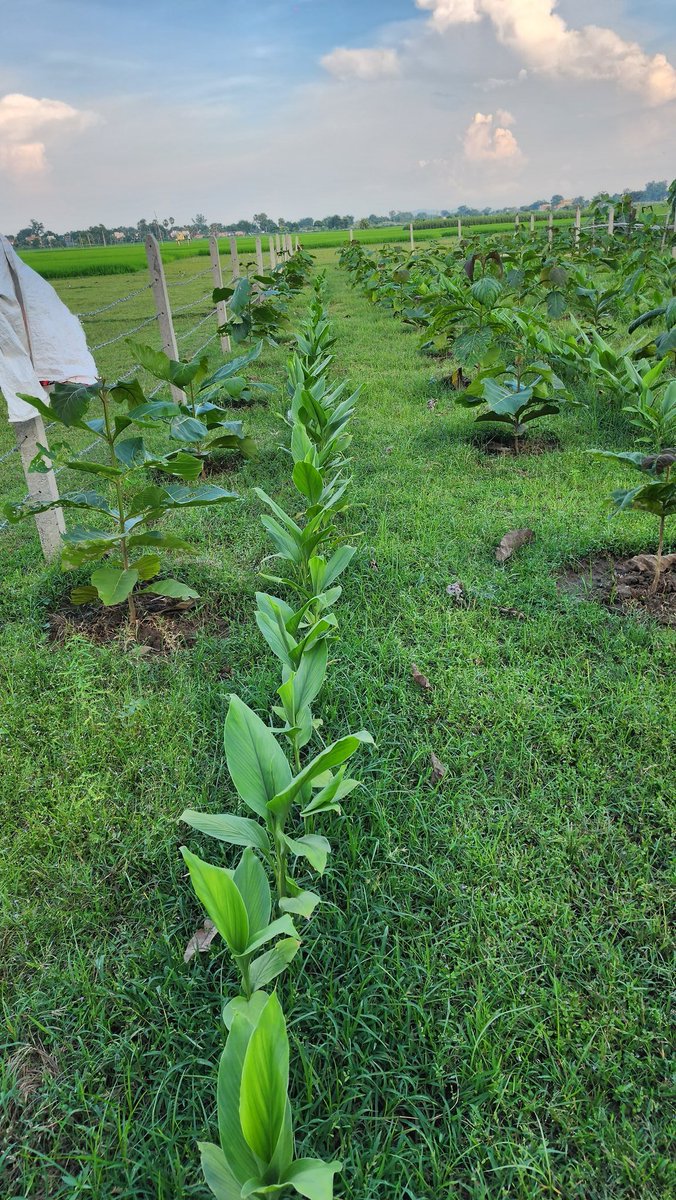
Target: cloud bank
<point>25,122</point>
<point>534,31</point>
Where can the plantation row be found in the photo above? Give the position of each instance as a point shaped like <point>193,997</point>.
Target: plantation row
<point>527,329</point>
<point>288,791</point>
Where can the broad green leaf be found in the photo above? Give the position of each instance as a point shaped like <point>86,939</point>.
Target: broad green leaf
<point>83,595</point>
<point>217,1174</point>
<point>265,1081</point>
<point>302,905</point>
<point>113,584</point>
<point>312,1177</point>
<point>310,674</point>
<point>155,537</point>
<point>239,1155</point>
<point>235,831</point>
<point>217,891</point>
<point>188,429</point>
<point>311,846</point>
<point>283,925</point>
<point>154,361</point>
<point>252,884</point>
<point>250,1008</point>
<point>147,566</point>
<point>268,966</point>
<point>173,589</point>
<point>69,402</point>
<point>256,762</point>
<point>308,481</point>
<point>332,757</point>
<point>132,452</point>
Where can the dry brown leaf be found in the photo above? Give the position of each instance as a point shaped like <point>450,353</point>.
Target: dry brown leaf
<point>438,769</point>
<point>418,677</point>
<point>514,613</point>
<point>514,540</point>
<point>200,940</point>
<point>648,562</point>
<point>31,1064</point>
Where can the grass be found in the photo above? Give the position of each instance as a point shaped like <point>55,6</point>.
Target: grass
<point>482,1011</point>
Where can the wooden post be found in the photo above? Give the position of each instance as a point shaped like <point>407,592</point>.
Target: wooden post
<point>50,525</point>
<point>162,306</point>
<point>410,230</point>
<point>259,257</point>
<point>611,220</point>
<point>273,255</point>
<point>234,257</point>
<point>532,224</point>
<point>577,227</point>
<point>459,230</point>
<point>221,310</point>
<point>550,227</point>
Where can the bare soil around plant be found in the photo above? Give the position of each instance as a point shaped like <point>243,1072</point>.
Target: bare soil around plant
<point>163,625</point>
<point>626,584</point>
<point>501,445</point>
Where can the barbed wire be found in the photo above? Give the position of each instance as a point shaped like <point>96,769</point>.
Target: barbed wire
<point>193,304</point>
<point>94,312</point>
<point>127,333</point>
<point>182,337</point>
<point>184,282</point>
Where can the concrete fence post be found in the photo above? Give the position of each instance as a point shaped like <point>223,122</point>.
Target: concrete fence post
<point>217,274</point>
<point>162,306</point>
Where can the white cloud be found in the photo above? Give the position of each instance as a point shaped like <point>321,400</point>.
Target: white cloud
<point>542,38</point>
<point>361,64</point>
<point>22,120</point>
<point>488,138</point>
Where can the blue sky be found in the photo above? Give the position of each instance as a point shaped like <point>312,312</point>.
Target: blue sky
<point>113,111</point>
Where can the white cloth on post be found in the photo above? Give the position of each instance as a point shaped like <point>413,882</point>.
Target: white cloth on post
<point>39,337</point>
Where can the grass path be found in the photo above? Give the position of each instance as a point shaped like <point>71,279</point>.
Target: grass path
<point>483,1014</point>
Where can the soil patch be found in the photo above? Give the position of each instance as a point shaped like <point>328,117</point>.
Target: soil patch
<point>163,625</point>
<point>626,584</point>
<point>501,445</point>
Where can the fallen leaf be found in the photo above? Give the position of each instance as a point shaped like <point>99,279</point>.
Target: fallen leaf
<point>514,540</point>
<point>515,613</point>
<point>418,677</point>
<point>456,591</point>
<point>648,563</point>
<point>200,940</point>
<point>438,769</point>
<point>432,404</point>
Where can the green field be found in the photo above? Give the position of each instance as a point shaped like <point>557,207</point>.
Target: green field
<point>483,1012</point>
<point>113,260</point>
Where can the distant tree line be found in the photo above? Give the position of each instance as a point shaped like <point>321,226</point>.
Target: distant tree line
<point>34,234</point>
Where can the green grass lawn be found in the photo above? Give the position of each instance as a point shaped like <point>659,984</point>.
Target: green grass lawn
<point>482,1012</point>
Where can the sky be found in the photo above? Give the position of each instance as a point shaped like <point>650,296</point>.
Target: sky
<point>116,110</point>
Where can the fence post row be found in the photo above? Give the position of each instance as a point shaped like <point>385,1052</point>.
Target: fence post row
<point>260,265</point>
<point>162,307</point>
<point>234,257</point>
<point>221,308</point>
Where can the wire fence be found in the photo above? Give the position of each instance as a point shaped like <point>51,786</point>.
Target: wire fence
<point>189,319</point>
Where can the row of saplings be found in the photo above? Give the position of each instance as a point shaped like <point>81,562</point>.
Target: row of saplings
<point>287,789</point>
<point>497,314</point>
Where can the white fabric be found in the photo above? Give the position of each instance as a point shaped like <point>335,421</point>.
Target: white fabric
<point>39,337</point>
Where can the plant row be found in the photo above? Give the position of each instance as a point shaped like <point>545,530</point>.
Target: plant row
<point>521,325</point>
<point>290,784</point>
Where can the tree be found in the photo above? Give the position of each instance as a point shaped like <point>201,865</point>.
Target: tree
<point>364,223</point>
<point>556,200</point>
<point>654,191</point>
